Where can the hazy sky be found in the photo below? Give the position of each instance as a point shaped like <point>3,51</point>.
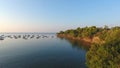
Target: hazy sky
<point>56,15</point>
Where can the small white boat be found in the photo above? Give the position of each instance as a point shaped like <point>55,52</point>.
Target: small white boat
<point>1,38</point>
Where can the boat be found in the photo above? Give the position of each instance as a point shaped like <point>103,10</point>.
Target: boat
<point>1,38</point>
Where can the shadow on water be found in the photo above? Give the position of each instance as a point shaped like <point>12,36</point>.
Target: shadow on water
<point>77,43</point>
<point>80,45</point>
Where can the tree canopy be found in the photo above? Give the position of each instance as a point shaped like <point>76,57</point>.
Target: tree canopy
<point>105,55</point>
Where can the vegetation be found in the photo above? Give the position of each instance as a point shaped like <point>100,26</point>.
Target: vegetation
<point>86,31</point>
<point>106,55</point>
<point>100,55</point>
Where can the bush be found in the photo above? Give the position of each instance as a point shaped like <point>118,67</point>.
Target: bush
<point>105,55</point>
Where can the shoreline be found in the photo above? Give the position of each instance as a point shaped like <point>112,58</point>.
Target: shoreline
<point>86,40</point>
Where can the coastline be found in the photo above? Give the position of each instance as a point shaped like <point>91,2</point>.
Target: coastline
<point>87,40</point>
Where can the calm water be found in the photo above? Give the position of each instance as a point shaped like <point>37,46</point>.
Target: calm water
<point>51,52</point>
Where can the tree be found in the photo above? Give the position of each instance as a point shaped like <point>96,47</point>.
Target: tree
<point>105,55</point>
<point>61,32</point>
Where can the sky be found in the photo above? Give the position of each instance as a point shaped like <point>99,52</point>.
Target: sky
<point>56,15</point>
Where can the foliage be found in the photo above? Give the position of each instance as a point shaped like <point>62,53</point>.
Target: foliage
<point>105,55</point>
<point>61,32</point>
<point>82,32</point>
<point>92,31</point>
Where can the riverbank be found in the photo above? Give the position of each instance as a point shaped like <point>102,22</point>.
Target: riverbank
<point>90,35</point>
<point>85,40</point>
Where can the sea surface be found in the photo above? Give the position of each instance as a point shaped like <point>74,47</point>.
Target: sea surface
<point>40,50</point>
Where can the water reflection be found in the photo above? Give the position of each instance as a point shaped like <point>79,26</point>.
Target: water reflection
<point>77,43</point>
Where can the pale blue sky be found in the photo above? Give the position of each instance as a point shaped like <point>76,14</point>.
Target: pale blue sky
<point>56,15</point>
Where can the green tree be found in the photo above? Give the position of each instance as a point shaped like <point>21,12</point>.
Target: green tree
<point>105,55</point>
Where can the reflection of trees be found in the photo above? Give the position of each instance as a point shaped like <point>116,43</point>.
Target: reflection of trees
<point>76,43</point>
<point>60,37</point>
